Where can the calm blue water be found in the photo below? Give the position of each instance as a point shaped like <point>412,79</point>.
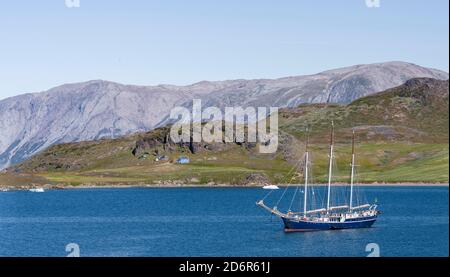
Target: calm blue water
<point>209,222</point>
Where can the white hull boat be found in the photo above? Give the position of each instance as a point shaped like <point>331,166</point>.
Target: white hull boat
<point>37,190</point>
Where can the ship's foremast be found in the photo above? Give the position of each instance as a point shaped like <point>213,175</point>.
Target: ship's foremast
<point>352,173</point>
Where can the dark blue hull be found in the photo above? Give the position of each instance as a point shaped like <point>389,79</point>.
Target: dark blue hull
<point>299,225</point>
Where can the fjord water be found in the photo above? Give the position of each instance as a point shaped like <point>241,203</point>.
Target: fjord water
<point>209,222</point>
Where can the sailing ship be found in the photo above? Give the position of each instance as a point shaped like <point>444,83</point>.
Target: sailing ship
<point>346,216</point>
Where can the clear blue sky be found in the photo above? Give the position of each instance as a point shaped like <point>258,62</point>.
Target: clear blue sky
<point>43,43</point>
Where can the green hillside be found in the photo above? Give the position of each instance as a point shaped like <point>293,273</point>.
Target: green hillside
<point>402,136</point>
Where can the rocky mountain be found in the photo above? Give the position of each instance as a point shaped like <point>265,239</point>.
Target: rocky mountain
<point>91,110</point>
<point>402,136</point>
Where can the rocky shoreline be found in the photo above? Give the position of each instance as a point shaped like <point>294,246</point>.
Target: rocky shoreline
<point>208,185</point>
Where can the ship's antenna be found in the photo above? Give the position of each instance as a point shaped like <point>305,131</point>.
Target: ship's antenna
<point>330,166</point>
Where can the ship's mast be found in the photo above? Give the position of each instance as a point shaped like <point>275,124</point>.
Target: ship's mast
<point>330,166</point>
<point>352,173</point>
<point>306,173</point>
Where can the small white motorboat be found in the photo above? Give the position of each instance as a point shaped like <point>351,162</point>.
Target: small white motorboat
<point>36,190</point>
<point>271,187</point>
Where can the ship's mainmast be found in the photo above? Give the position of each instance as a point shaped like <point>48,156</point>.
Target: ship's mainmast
<point>330,166</point>
<point>306,173</point>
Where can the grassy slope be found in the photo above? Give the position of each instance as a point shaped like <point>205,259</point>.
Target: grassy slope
<point>224,170</point>
<point>411,146</point>
<point>429,163</point>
